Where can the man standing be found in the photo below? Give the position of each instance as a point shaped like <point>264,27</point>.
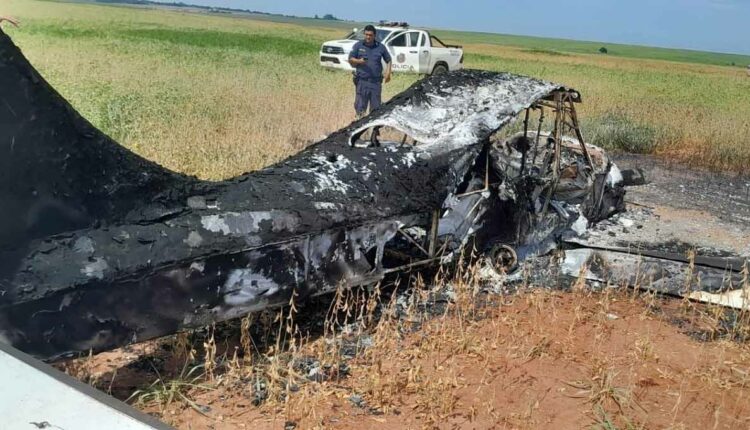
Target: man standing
<point>367,57</point>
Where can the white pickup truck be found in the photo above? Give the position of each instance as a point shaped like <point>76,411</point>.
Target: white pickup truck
<point>412,50</point>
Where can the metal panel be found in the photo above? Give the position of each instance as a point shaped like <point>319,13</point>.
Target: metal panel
<point>35,395</point>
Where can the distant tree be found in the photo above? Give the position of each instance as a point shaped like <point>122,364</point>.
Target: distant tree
<point>316,16</point>
<point>603,50</point>
<point>330,17</point>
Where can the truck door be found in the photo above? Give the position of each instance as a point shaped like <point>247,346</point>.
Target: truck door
<point>424,52</point>
<point>404,49</point>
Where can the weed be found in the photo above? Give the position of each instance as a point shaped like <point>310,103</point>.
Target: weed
<point>163,393</point>
<point>602,392</point>
<point>209,346</point>
<point>618,132</point>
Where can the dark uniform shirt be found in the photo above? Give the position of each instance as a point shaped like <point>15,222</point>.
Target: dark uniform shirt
<point>373,69</point>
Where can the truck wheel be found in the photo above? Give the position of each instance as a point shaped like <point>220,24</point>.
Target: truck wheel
<point>440,69</point>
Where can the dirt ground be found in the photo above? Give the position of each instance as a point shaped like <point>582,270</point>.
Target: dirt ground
<point>540,359</point>
<point>681,187</point>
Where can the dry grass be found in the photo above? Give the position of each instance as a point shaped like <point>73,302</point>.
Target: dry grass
<point>404,357</point>
<point>215,103</point>
<point>213,113</point>
<point>698,113</point>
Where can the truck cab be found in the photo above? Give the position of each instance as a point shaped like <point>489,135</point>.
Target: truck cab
<point>412,50</point>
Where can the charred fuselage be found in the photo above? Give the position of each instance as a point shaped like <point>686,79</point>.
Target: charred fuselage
<point>101,247</point>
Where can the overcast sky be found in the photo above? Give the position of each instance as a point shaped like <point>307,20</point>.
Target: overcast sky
<point>711,25</point>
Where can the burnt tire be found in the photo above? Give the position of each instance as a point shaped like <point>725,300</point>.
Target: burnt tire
<point>504,258</point>
<point>440,69</point>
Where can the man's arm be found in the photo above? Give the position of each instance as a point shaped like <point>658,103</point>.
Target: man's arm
<point>355,61</point>
<point>9,19</point>
<point>387,74</point>
<point>387,58</point>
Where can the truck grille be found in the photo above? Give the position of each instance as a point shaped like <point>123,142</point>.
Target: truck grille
<point>332,49</point>
<point>324,58</point>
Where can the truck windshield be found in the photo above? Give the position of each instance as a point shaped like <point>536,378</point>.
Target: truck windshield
<point>380,35</point>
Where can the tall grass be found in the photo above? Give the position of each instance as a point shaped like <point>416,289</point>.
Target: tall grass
<point>216,96</point>
<point>614,131</point>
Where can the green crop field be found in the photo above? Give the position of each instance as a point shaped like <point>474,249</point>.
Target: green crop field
<point>215,94</point>
<point>529,43</point>
<point>562,46</point>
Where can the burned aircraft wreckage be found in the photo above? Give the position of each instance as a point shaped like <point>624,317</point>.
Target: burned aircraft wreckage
<point>100,247</point>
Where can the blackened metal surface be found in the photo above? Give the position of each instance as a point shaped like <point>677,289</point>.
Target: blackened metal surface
<point>685,234</point>
<point>102,247</point>
<point>57,172</point>
<point>456,110</point>
<point>661,274</point>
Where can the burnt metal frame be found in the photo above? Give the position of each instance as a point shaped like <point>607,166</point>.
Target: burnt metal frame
<point>431,251</point>
<point>562,104</point>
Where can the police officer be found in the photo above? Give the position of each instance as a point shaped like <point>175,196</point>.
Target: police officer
<point>366,57</point>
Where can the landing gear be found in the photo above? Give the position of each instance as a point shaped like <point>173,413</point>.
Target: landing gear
<point>503,258</point>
